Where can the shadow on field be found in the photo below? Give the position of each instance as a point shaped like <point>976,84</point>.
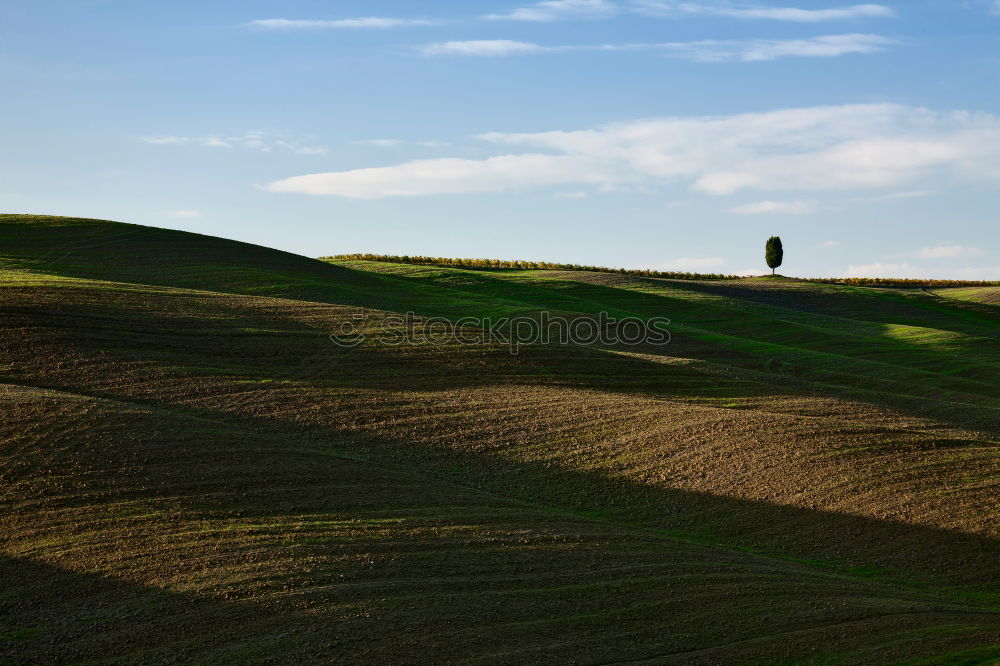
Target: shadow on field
<point>252,461</point>
<point>53,615</point>
<point>484,606</point>
<point>860,546</point>
<point>903,306</point>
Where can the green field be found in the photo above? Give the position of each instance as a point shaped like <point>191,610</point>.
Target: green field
<point>193,472</point>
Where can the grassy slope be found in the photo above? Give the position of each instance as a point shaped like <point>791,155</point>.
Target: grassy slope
<point>990,295</point>
<point>807,473</point>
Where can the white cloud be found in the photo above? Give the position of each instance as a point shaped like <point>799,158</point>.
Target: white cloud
<point>579,194</point>
<point>826,46</point>
<point>185,214</point>
<point>485,47</point>
<point>250,140</point>
<point>831,243</point>
<point>754,50</point>
<point>771,207</point>
<point>555,10</point>
<point>371,22</point>
<point>449,176</point>
<point>873,147</point>
<point>948,252</point>
<point>662,8</point>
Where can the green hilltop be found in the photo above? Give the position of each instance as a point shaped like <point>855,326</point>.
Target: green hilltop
<point>191,469</point>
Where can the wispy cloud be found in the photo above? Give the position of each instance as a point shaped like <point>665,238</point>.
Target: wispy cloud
<point>166,140</point>
<point>774,207</point>
<point>555,10</point>
<point>831,243</point>
<point>449,176</point>
<point>948,252</point>
<point>380,143</point>
<point>562,10</point>
<point>859,147</point>
<point>896,196</point>
<point>261,141</point>
<point>370,22</point>
<point>754,50</point>
<point>793,14</point>
<point>486,47</point>
<point>185,214</point>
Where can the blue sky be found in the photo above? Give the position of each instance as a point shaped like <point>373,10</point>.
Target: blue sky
<point>637,133</point>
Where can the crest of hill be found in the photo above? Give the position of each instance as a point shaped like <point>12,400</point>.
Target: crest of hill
<point>518,264</point>
<point>133,253</point>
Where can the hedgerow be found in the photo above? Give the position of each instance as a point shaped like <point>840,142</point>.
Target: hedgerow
<point>508,264</point>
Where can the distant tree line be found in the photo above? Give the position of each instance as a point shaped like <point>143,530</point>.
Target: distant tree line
<point>507,264</point>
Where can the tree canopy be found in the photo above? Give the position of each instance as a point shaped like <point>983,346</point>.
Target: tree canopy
<point>773,253</point>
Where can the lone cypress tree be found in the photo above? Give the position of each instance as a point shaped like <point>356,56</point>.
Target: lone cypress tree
<point>773,253</point>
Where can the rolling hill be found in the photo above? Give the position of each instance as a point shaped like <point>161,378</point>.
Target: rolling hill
<point>192,471</point>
